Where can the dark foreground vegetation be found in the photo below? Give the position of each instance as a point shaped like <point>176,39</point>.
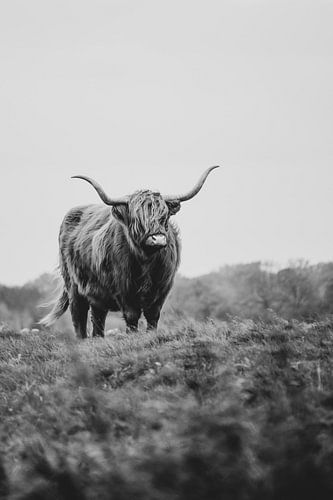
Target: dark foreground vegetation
<point>231,410</point>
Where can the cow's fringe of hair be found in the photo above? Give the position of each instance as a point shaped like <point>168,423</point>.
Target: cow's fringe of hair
<point>143,206</point>
<point>146,206</point>
<point>60,303</point>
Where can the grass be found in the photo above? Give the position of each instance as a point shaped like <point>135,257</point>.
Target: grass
<point>233,410</point>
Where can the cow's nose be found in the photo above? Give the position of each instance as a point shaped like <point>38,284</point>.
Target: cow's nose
<point>156,240</point>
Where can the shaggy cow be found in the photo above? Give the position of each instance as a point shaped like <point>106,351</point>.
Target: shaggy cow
<point>118,257</point>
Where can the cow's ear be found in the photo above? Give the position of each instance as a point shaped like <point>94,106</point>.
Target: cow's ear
<point>174,206</point>
<point>120,212</point>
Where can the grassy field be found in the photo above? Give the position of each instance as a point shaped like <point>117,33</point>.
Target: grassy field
<point>233,410</point>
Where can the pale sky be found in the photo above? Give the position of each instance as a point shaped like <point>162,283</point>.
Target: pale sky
<point>148,94</point>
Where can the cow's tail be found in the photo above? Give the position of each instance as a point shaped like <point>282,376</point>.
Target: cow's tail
<point>59,308</point>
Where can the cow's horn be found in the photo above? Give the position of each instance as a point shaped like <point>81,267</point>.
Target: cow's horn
<point>103,196</point>
<point>194,191</point>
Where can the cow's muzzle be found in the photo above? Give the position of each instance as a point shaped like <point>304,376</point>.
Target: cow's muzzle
<point>156,241</point>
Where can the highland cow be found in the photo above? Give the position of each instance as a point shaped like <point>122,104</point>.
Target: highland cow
<point>118,257</point>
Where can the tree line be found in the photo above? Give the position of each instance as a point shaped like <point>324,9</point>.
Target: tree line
<point>300,291</point>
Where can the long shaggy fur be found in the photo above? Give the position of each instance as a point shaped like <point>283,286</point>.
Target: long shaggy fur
<point>105,265</point>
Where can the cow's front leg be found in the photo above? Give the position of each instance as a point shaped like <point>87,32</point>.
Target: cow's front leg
<point>131,317</point>
<point>152,316</point>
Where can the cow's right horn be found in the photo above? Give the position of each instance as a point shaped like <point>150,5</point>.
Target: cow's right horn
<point>103,196</point>
<point>194,191</point>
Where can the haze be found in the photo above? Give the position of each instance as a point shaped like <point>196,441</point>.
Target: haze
<point>150,94</point>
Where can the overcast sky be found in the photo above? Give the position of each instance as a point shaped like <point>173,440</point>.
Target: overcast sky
<point>149,93</point>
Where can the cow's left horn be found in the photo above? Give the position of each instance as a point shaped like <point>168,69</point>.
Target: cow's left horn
<point>103,196</point>
<point>194,191</point>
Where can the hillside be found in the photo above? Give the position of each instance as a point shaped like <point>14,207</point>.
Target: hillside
<point>233,410</point>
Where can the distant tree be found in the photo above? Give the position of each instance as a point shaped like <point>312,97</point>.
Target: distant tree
<point>297,296</point>
<point>327,305</point>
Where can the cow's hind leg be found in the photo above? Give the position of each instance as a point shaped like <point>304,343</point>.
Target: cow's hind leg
<point>79,310</point>
<point>98,317</point>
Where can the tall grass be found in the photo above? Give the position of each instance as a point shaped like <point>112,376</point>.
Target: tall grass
<point>232,410</point>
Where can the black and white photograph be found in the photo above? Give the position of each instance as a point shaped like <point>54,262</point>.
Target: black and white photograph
<point>166,252</point>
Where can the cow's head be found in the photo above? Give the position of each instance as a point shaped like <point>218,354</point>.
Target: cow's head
<point>145,214</point>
